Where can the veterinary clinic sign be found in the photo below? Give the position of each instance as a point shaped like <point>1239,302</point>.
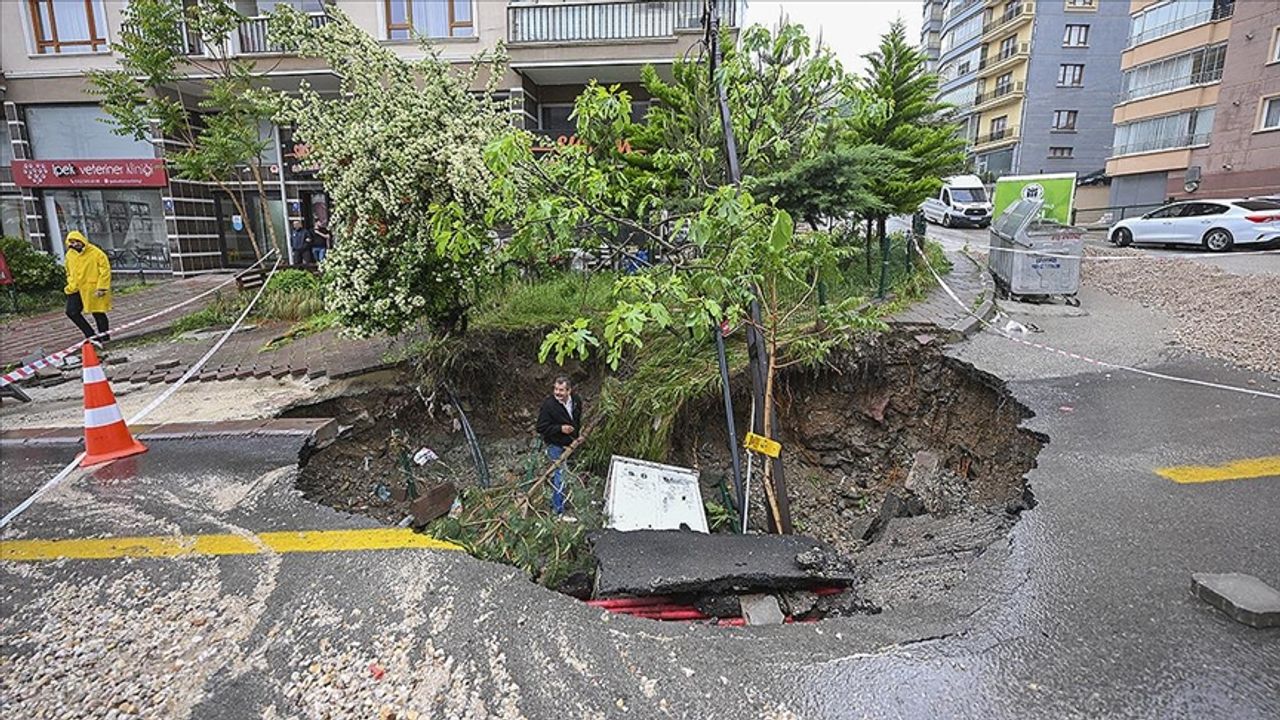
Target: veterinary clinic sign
<point>89,173</point>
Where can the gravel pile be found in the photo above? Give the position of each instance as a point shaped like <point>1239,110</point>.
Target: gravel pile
<point>1231,317</point>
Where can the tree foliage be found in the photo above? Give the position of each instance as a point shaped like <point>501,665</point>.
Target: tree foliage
<point>400,149</point>
<point>212,126</point>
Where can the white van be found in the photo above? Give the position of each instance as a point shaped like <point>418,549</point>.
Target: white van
<point>962,200</point>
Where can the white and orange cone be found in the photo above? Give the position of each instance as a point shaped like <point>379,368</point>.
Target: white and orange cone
<point>106,437</point>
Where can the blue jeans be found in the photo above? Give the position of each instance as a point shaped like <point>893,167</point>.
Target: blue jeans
<point>557,480</point>
<point>318,254</point>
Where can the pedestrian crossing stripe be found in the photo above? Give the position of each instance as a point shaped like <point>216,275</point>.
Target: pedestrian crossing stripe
<point>178,546</point>
<point>1236,470</point>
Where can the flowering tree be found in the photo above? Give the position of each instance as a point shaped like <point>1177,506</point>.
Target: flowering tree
<point>401,152</point>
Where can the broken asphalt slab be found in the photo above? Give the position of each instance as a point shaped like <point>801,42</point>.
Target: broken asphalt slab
<point>651,562</point>
<point>1244,598</point>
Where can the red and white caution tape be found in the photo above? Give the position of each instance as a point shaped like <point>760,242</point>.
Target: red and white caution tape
<point>30,369</point>
<point>1093,361</point>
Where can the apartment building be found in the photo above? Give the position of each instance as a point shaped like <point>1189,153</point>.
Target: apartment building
<point>1034,82</point>
<point>931,33</point>
<point>61,168</point>
<point>1200,111</point>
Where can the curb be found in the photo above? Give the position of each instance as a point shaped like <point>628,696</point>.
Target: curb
<point>320,431</point>
<point>973,323</point>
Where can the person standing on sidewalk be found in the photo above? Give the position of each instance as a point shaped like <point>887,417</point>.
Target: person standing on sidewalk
<point>88,284</point>
<point>300,243</point>
<point>320,241</point>
<point>560,425</point>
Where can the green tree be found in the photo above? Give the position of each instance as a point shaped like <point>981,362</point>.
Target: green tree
<point>911,122</point>
<point>208,106</point>
<point>400,149</point>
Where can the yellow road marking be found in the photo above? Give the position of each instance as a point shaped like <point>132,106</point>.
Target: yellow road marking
<point>1237,470</point>
<point>185,545</point>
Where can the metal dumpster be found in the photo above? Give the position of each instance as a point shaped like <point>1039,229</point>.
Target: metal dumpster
<point>1025,254</point>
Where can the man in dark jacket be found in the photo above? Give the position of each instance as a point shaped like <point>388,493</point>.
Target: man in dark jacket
<point>560,425</point>
<point>300,243</point>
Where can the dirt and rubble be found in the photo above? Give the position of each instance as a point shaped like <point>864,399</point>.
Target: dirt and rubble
<point>907,461</point>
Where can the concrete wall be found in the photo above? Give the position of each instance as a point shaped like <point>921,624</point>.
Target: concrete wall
<point>1242,159</point>
<point>1091,141</point>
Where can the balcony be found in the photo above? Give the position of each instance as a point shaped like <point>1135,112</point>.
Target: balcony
<point>590,22</point>
<point>1011,19</point>
<point>1139,34</point>
<point>1000,95</point>
<point>1007,57</point>
<point>1207,77</point>
<point>1177,142</point>
<point>1004,136</point>
<point>251,37</point>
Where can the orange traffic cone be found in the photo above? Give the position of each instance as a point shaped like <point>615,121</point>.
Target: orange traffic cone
<point>106,437</point>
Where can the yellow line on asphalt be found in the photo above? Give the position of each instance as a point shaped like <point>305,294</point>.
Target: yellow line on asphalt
<point>1237,470</point>
<point>187,545</point>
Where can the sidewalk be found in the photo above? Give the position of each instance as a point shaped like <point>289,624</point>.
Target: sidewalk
<point>971,282</point>
<point>52,331</point>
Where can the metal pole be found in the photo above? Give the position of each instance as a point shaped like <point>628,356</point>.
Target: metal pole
<point>739,488</point>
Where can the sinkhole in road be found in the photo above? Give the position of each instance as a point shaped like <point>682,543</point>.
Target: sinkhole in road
<point>909,463</point>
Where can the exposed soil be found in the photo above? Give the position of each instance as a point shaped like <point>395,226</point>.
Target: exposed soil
<point>851,434</point>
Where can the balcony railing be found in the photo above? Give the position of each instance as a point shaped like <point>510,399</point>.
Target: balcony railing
<point>1201,78</point>
<point>252,35</point>
<point>1176,142</point>
<point>1009,133</point>
<point>957,8</point>
<point>1022,11</point>
<point>999,91</point>
<point>605,21</point>
<point>1005,54</point>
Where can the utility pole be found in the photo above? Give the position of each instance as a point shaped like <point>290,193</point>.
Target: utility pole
<point>757,350</point>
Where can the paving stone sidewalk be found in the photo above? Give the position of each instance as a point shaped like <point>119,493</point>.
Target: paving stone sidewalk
<point>971,282</point>
<point>52,331</point>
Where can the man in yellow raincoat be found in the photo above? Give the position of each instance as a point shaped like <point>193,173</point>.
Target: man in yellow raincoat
<point>88,284</point>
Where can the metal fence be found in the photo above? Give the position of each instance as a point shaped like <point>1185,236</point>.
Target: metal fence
<point>604,21</point>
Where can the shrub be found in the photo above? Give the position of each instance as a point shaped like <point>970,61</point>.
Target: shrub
<point>32,270</point>
<point>292,279</point>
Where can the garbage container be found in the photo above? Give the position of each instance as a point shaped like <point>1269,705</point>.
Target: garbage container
<point>1033,257</point>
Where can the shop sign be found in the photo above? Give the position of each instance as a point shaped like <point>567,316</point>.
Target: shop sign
<point>237,222</point>
<point>89,173</point>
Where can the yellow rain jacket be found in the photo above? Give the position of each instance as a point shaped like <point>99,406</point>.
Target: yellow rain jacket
<point>88,271</point>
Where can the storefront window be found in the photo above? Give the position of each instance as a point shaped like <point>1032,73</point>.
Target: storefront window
<point>127,224</point>
<point>79,132</point>
<point>11,216</point>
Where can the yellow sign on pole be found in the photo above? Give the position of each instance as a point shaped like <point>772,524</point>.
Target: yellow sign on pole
<point>762,445</point>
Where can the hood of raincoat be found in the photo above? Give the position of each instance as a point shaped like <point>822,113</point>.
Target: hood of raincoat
<point>76,235</point>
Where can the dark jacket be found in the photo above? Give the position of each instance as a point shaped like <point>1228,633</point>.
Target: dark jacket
<point>552,415</point>
<point>320,238</point>
<point>300,239</point>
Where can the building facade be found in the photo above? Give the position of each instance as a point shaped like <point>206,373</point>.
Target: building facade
<point>931,33</point>
<point>62,168</point>
<point>1200,113</point>
<point>1033,82</point>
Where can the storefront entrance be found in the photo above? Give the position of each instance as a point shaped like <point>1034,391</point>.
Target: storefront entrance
<point>234,229</point>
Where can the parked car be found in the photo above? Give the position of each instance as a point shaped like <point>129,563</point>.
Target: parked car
<point>1218,225</point>
<point>962,200</point>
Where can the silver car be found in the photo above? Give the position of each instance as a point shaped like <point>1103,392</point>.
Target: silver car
<point>1217,225</point>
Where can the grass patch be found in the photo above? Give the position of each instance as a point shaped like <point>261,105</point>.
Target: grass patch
<point>533,304</point>
<point>312,325</point>
<point>222,311</point>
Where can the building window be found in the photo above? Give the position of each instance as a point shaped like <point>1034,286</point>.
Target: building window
<point>1275,45</point>
<point>962,68</point>
<point>1070,75</point>
<point>1271,113</point>
<point>68,26</point>
<point>1064,120</point>
<point>406,19</point>
<point>1008,46</point>
<point>1059,152</point>
<point>1082,4</point>
<point>1076,36</point>
<point>999,126</point>
<point>1198,67</point>
<point>1179,130</point>
<point>1171,16</point>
